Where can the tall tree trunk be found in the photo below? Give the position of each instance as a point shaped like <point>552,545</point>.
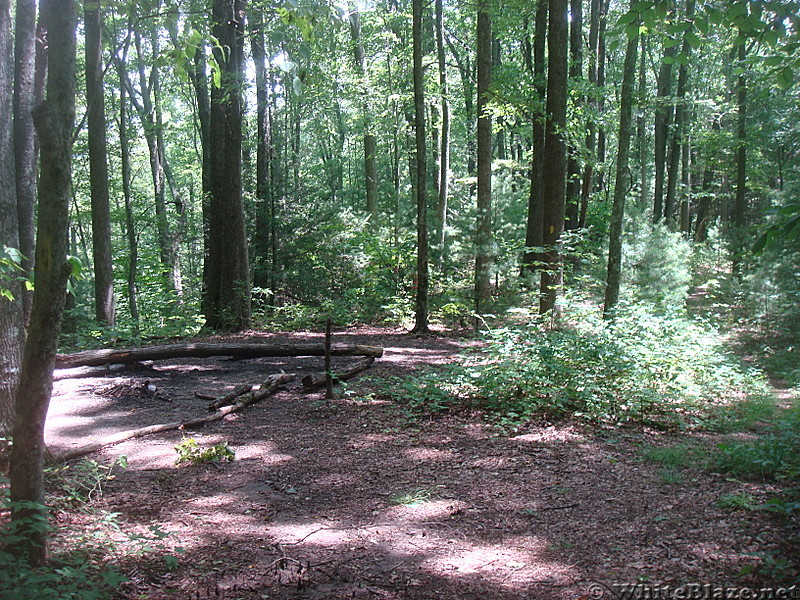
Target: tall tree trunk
<point>12,322</point>
<point>130,221</point>
<point>663,117</point>
<point>264,190</point>
<point>740,201</point>
<point>105,312</point>
<point>25,145</point>
<point>54,121</point>
<point>641,130</point>
<point>622,180</point>
<point>370,142</point>
<point>421,304</point>
<point>572,208</point>
<point>591,127</point>
<point>678,126</point>
<point>227,298</point>
<point>555,156</point>
<point>483,255</point>
<point>465,70</point>
<point>444,138</point>
<point>601,82</point>
<point>533,229</point>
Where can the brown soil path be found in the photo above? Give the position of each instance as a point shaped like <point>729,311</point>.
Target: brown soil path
<point>352,499</point>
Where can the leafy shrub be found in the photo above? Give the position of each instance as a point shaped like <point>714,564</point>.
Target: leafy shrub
<point>772,456</point>
<point>190,452</point>
<point>660,369</point>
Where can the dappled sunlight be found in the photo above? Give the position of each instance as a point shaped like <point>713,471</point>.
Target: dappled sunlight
<point>423,454</point>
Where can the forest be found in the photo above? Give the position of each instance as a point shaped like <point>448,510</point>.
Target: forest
<point>492,299</point>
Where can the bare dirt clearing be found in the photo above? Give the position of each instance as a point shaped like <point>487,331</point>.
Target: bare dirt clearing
<point>351,499</point>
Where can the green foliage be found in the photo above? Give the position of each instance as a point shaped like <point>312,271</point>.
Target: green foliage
<point>681,455</point>
<point>658,262</point>
<point>75,484</point>
<point>414,497</point>
<point>190,452</point>
<point>737,501</point>
<point>10,266</point>
<point>666,370</point>
<point>772,456</point>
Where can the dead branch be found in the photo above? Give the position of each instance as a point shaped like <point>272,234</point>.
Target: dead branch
<point>228,398</point>
<point>315,380</point>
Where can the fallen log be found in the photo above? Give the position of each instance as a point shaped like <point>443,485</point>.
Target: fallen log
<point>101,371</point>
<point>228,398</point>
<point>315,380</point>
<point>94,358</point>
<point>269,388</point>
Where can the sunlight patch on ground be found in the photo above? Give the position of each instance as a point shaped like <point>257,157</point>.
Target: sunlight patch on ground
<point>426,510</point>
<point>316,533</point>
<point>425,454</point>
<point>551,434</point>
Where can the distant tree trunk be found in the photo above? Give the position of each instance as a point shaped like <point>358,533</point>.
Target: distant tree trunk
<point>572,207</point>
<point>483,256</point>
<point>264,189</point>
<point>465,70</point>
<point>227,298</point>
<point>444,139</point>
<point>740,201</point>
<point>421,304</point>
<point>25,145</point>
<point>54,121</point>
<point>98,167</point>
<point>686,184</point>
<point>370,142</point>
<point>641,130</point>
<point>622,180</point>
<point>663,117</point>
<point>678,126</point>
<point>555,159</point>
<point>591,126</point>
<point>533,229</point>
<point>601,82</point>
<point>199,79</point>
<point>12,323</point>
<point>130,221</point>
<point>740,205</point>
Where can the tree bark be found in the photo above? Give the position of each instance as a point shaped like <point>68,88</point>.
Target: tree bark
<point>370,142</point>
<point>54,121</point>
<point>421,302</point>
<point>622,180</point>
<point>12,320</point>
<point>573,198</point>
<point>678,126</point>
<point>533,229</point>
<point>227,297</point>
<point>444,138</point>
<point>98,167</point>
<point>483,228</point>
<point>663,117</point>
<point>130,221</point>
<point>242,350</point>
<point>555,159</point>
<point>25,143</point>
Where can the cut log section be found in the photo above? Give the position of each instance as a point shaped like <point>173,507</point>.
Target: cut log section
<point>315,380</point>
<point>95,358</point>
<point>269,388</point>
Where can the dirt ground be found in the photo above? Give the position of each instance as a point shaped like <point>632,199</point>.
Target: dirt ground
<point>351,498</point>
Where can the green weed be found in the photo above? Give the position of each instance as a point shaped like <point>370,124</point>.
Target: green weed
<point>190,452</point>
<point>737,501</point>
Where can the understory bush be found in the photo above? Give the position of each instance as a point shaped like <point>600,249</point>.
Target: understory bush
<point>666,370</point>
